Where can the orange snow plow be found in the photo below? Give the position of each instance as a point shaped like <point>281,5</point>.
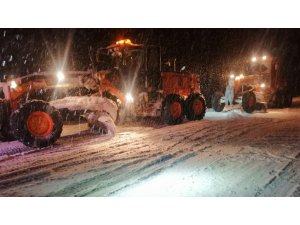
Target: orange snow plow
<point>259,86</point>
<point>31,106</point>
<point>135,77</point>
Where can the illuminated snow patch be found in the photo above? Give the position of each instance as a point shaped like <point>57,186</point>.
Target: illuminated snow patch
<point>170,184</point>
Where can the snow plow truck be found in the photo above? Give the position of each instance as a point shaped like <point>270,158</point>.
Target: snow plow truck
<point>134,76</point>
<point>31,107</point>
<point>261,85</point>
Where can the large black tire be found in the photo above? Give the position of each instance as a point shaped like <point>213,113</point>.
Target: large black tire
<point>47,133</point>
<point>4,120</point>
<point>215,102</point>
<point>195,107</point>
<point>249,102</point>
<point>172,109</point>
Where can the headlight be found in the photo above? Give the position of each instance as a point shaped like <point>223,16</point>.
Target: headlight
<point>60,76</point>
<point>231,76</point>
<point>129,98</point>
<point>262,85</point>
<point>13,84</point>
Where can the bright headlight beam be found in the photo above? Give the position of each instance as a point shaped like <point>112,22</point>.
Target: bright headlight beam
<point>13,84</point>
<point>262,85</point>
<point>60,76</point>
<point>129,98</point>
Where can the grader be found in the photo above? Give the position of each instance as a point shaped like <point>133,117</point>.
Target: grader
<point>135,78</point>
<point>261,84</point>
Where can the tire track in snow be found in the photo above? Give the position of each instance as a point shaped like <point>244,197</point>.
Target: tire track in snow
<point>185,137</point>
<point>190,136</point>
<point>289,176</point>
<point>167,156</point>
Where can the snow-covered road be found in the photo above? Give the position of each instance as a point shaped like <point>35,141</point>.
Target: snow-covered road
<point>225,154</point>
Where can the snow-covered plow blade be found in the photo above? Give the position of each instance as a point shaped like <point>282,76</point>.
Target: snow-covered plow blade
<point>100,112</point>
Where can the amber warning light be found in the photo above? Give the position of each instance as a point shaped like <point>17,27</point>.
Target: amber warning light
<point>125,41</point>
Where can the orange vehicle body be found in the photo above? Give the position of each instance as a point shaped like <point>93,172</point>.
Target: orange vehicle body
<point>136,74</point>
<point>182,84</point>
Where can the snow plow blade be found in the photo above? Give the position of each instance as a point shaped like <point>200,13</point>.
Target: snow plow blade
<point>101,112</point>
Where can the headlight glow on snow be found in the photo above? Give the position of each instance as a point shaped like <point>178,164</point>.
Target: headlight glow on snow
<point>13,84</point>
<point>129,98</point>
<point>262,85</point>
<point>171,183</point>
<point>60,76</point>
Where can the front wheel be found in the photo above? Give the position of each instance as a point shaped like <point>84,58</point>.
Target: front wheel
<point>216,102</point>
<point>195,107</point>
<point>173,110</point>
<point>249,102</point>
<point>37,124</point>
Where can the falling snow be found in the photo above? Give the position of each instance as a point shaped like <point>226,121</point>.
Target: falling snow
<point>225,154</point>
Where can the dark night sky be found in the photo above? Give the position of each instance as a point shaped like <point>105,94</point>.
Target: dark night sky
<point>205,51</point>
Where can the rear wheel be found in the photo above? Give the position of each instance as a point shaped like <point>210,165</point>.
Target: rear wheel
<point>173,110</point>
<point>37,124</point>
<point>249,102</point>
<point>216,102</point>
<point>195,107</point>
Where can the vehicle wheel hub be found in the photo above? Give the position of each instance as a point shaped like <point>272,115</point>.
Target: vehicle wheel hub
<point>175,109</point>
<point>251,101</point>
<point>197,107</point>
<point>40,124</point>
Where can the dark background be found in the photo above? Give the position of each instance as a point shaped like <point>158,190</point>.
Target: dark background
<point>213,53</point>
